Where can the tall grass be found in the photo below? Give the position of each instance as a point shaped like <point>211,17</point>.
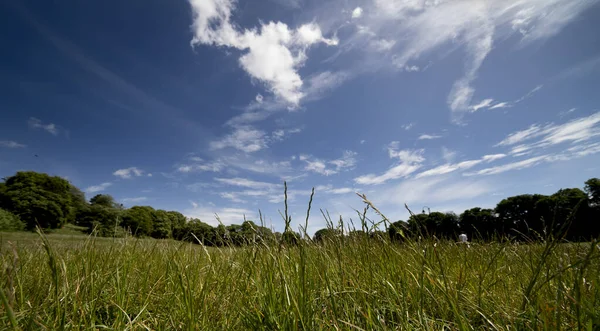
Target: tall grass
<point>347,282</point>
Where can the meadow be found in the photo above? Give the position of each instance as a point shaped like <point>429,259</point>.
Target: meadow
<point>359,282</point>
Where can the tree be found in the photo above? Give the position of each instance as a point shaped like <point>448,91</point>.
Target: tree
<point>139,220</point>
<point>326,234</point>
<point>518,216</point>
<point>104,200</point>
<point>38,199</point>
<point>592,188</point>
<point>565,213</point>
<point>478,223</point>
<point>398,231</point>
<point>106,221</point>
<point>162,225</point>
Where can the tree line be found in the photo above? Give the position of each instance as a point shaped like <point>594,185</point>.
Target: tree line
<point>571,214</point>
<point>29,199</point>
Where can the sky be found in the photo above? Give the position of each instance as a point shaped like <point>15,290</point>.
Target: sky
<point>207,106</point>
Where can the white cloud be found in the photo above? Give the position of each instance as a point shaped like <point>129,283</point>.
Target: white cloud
<point>500,105</point>
<point>511,166</point>
<point>383,45</point>
<point>464,165</point>
<point>149,175</point>
<point>134,200</point>
<point>430,191</point>
<point>408,126</point>
<point>411,68</point>
<point>97,188</point>
<point>244,138</point>
<point>11,144</point>
<point>447,168</point>
<point>274,52</point>
<point>128,172</point>
<point>347,161</point>
<point>244,182</point>
<point>357,12</point>
<point>493,157</point>
<point>574,131</point>
<point>259,98</point>
<point>483,104</point>
<point>37,124</point>
<point>420,27</point>
<point>231,196</point>
<point>410,161</point>
<point>429,137</point>
<point>200,165</point>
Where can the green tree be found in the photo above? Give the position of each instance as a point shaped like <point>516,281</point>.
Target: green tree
<point>162,227</point>
<point>478,223</point>
<point>517,216</point>
<point>565,213</point>
<point>38,199</point>
<point>139,220</point>
<point>398,231</point>
<point>592,188</point>
<point>326,234</point>
<point>104,200</point>
<point>10,222</point>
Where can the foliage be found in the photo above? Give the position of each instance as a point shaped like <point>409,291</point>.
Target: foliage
<point>326,234</point>
<point>139,220</point>
<point>10,222</point>
<point>39,199</point>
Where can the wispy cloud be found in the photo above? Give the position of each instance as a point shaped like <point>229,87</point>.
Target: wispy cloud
<point>407,126</point>
<point>357,12</point>
<point>483,104</point>
<point>197,164</point>
<point>244,138</point>
<point>409,162</point>
<point>574,131</point>
<point>464,165</point>
<point>577,151</point>
<point>429,136</point>
<point>38,124</point>
<point>244,182</point>
<point>11,144</point>
<point>128,173</point>
<point>134,200</point>
<point>329,167</point>
<point>98,188</point>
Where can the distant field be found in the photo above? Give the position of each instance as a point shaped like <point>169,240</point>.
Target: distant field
<point>74,281</point>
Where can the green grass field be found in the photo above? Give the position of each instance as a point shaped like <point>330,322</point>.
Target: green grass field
<point>71,281</point>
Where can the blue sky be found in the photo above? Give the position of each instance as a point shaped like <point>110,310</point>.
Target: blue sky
<point>207,106</point>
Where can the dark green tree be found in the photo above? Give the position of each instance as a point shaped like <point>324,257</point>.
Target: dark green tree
<point>398,231</point>
<point>38,198</point>
<point>518,217</point>
<point>326,234</point>
<point>592,188</point>
<point>139,220</point>
<point>478,223</point>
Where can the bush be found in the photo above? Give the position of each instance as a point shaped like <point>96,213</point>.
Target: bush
<point>10,222</point>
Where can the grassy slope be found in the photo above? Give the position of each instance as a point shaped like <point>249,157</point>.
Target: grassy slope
<point>82,282</point>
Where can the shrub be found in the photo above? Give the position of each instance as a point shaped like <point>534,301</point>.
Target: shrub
<point>10,222</point>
